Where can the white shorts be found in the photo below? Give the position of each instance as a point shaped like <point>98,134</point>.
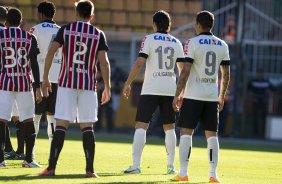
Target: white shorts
<point>72,104</point>
<point>23,100</point>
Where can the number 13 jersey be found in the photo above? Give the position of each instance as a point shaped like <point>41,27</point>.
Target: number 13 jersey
<point>81,42</point>
<point>161,51</point>
<point>207,53</point>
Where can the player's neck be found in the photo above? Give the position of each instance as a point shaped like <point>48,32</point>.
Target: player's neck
<point>2,24</point>
<point>82,20</point>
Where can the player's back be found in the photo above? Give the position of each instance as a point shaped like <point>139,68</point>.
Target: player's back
<point>207,52</point>
<point>14,52</point>
<point>45,33</point>
<point>162,50</point>
<point>80,46</point>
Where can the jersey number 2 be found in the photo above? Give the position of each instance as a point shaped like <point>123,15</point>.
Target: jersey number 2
<point>79,53</point>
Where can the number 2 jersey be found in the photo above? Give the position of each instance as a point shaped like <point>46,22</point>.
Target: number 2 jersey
<point>81,42</point>
<point>45,33</point>
<point>207,53</point>
<point>161,51</point>
<point>16,49</point>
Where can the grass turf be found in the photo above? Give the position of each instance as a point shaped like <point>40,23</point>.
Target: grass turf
<point>240,162</point>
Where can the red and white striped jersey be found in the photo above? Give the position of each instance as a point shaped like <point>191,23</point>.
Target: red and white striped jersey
<point>81,42</point>
<point>15,48</point>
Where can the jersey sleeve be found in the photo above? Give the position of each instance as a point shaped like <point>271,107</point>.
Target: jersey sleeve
<point>33,61</point>
<point>226,58</point>
<point>189,51</point>
<point>180,53</point>
<point>144,48</point>
<point>60,36</point>
<point>103,45</point>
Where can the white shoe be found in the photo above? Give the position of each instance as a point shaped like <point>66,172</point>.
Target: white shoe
<point>171,170</point>
<point>32,164</point>
<point>3,164</point>
<point>132,170</point>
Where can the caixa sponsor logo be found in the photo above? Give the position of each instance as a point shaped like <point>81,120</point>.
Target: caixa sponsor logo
<point>164,38</point>
<point>210,42</point>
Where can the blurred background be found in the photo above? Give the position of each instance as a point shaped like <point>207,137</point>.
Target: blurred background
<point>252,29</point>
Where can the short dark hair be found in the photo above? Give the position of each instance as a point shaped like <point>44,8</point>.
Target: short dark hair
<point>3,13</point>
<point>205,19</point>
<point>47,8</point>
<point>84,8</point>
<point>162,20</point>
<point>14,16</point>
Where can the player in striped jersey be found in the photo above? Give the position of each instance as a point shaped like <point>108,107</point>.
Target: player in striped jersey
<point>9,151</point>
<point>82,45</point>
<point>45,32</point>
<point>18,52</point>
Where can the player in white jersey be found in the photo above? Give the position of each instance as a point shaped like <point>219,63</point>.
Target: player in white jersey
<point>205,54</point>
<point>160,51</point>
<point>45,33</point>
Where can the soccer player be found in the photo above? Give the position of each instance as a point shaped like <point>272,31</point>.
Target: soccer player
<point>160,51</point>
<point>18,51</point>
<point>82,45</point>
<point>204,54</point>
<point>45,32</point>
<point>9,151</point>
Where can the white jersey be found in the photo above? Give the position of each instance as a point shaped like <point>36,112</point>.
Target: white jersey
<point>162,51</point>
<point>207,53</point>
<point>45,32</point>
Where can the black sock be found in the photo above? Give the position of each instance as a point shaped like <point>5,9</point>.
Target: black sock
<point>29,137</point>
<point>20,137</point>
<point>89,147</point>
<point>8,144</point>
<point>56,146</point>
<point>2,140</point>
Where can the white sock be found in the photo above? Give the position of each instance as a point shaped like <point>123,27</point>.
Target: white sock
<point>185,148</point>
<point>138,145</point>
<point>213,149</point>
<point>37,119</point>
<point>170,144</point>
<point>51,126</point>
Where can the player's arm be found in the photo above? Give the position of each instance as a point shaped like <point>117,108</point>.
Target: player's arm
<point>140,61</point>
<point>225,79</point>
<point>35,68</point>
<point>106,75</point>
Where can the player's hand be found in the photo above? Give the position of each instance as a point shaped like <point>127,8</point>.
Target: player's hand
<point>46,88</point>
<point>177,103</point>
<point>38,95</point>
<point>126,90</point>
<point>106,96</point>
<point>220,103</point>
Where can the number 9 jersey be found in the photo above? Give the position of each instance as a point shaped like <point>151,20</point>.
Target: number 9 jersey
<point>161,51</point>
<point>207,53</point>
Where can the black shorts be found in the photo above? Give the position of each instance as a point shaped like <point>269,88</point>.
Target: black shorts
<point>47,104</point>
<point>194,111</point>
<point>149,103</point>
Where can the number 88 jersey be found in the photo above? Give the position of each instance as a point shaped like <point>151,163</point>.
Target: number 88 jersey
<point>15,48</point>
<point>161,51</point>
<point>207,53</point>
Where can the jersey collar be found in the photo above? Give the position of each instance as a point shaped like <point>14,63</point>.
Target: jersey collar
<point>163,32</point>
<point>48,21</point>
<point>206,33</point>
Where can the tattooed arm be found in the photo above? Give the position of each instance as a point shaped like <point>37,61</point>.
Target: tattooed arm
<point>225,78</point>
<point>185,72</point>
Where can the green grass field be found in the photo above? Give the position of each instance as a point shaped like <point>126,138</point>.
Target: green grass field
<point>244,163</point>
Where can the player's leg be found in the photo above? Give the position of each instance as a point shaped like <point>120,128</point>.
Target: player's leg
<point>6,103</point>
<point>25,103</point>
<point>66,108</point>
<point>50,108</point>
<point>189,117</point>
<point>87,110</point>
<point>146,107</point>
<point>20,137</point>
<point>168,117</point>
<point>9,151</point>
<point>210,124</point>
<point>39,109</point>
